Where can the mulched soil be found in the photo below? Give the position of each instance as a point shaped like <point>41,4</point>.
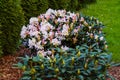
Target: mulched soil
<point>8,72</point>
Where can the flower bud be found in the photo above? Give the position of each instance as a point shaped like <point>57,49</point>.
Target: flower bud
<point>78,54</point>
<point>54,60</point>
<point>96,62</point>
<point>32,71</point>
<point>53,51</point>
<point>74,40</point>
<point>86,65</point>
<point>73,60</point>
<point>56,70</point>
<point>51,64</point>
<point>78,71</point>
<point>90,48</point>
<point>63,62</point>
<point>50,60</point>
<point>42,66</point>
<point>23,68</point>
<point>71,26</point>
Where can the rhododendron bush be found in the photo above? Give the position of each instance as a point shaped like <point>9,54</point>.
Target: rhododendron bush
<point>64,45</point>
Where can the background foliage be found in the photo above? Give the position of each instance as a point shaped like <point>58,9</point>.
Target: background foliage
<point>11,20</point>
<point>33,8</point>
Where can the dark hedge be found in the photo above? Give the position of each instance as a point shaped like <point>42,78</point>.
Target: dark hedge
<point>11,20</point>
<point>35,7</point>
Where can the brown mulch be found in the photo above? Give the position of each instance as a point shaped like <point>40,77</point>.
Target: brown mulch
<point>7,72</point>
<point>115,72</point>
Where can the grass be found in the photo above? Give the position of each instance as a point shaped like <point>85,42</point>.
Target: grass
<point>108,11</point>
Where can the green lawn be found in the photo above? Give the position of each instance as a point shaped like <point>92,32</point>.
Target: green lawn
<point>108,11</point>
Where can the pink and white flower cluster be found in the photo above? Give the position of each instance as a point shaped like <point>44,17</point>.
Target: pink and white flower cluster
<point>52,28</point>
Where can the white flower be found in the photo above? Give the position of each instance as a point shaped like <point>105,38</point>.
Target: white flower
<point>49,11</point>
<point>90,27</point>
<point>49,52</point>
<point>39,46</point>
<point>62,13</point>
<point>59,20</point>
<point>101,38</point>
<point>88,33</point>
<point>45,34</point>
<point>56,41</point>
<point>23,32</point>
<point>50,33</point>
<point>82,19</point>
<point>59,36</point>
<point>96,36</point>
<point>64,48</point>
<point>41,53</point>
<point>31,43</point>
<point>33,20</point>
<point>31,27</point>
<point>75,31</point>
<point>72,14</point>
<point>34,33</point>
<point>65,27</point>
<point>65,32</point>
<point>45,26</point>
<point>33,40</point>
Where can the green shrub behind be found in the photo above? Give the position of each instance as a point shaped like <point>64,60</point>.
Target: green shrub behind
<point>0,50</point>
<point>11,20</point>
<point>63,4</point>
<point>33,7</point>
<point>0,46</point>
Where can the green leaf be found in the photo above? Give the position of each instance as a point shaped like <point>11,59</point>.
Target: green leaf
<point>39,79</point>
<point>35,59</point>
<point>81,77</point>
<point>26,78</point>
<point>49,76</point>
<point>70,72</point>
<point>63,70</point>
<point>60,78</point>
<point>100,76</point>
<point>26,72</point>
<point>19,65</point>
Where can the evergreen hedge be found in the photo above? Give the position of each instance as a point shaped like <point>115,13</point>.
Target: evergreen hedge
<point>0,44</point>
<point>11,20</point>
<point>33,7</point>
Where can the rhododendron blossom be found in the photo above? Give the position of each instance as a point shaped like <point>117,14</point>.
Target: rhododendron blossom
<point>57,28</point>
